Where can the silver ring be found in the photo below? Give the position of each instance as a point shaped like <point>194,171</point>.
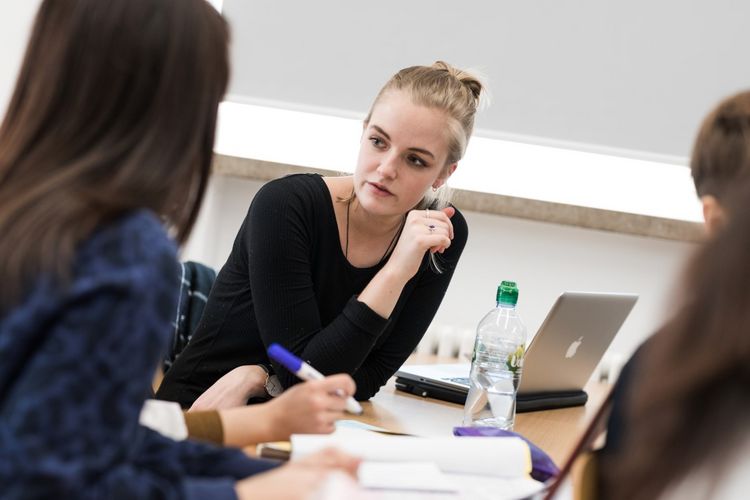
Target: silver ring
<point>431,227</point>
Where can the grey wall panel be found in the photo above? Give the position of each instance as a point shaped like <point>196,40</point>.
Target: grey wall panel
<point>635,75</point>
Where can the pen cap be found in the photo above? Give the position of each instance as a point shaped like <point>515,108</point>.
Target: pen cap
<point>286,358</point>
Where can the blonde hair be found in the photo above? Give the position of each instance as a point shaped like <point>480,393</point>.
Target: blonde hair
<point>451,90</point>
<point>441,86</point>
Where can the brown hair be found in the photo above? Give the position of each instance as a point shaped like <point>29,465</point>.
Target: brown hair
<point>722,148</point>
<point>690,398</point>
<point>114,110</point>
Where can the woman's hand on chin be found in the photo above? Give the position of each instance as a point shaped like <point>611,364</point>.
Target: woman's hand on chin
<point>424,230</point>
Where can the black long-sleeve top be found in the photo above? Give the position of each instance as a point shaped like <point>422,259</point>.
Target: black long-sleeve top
<point>287,281</point>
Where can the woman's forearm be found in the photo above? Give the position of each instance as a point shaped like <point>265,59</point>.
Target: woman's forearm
<point>247,425</point>
<point>382,292</point>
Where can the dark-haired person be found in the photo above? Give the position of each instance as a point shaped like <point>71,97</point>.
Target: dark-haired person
<point>720,163</point>
<point>108,138</point>
<point>687,430</point>
<point>721,156</point>
<point>346,272</point>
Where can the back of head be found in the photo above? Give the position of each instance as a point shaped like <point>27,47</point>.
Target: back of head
<point>443,87</point>
<point>721,152</point>
<point>114,110</point>
<point>689,403</point>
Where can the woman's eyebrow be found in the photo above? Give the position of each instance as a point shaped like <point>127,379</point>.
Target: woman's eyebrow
<point>382,132</point>
<point>417,150</point>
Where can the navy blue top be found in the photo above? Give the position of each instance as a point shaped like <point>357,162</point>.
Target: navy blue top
<point>76,368</point>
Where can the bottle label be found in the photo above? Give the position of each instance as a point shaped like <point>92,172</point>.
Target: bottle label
<point>515,359</point>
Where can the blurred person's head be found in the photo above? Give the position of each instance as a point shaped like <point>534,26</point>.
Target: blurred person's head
<point>114,110</point>
<point>721,155</point>
<point>690,401</point>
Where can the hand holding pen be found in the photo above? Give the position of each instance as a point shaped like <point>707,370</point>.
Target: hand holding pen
<point>305,372</point>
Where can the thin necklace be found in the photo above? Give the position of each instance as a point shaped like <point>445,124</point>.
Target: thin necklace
<point>391,245</point>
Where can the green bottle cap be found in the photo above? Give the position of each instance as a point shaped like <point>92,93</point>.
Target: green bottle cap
<point>507,293</point>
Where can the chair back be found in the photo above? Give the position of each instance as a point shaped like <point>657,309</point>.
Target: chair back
<point>196,280</point>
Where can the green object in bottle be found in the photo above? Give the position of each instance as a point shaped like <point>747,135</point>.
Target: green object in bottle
<point>515,359</point>
<point>507,294</point>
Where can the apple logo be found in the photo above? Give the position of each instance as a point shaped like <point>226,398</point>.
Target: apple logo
<point>573,348</point>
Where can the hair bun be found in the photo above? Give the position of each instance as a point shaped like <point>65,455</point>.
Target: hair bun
<point>446,88</point>
<point>472,82</point>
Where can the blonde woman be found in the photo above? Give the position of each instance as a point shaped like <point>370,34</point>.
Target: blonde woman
<point>346,272</point>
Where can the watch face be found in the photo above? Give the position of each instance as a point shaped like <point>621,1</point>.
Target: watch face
<point>273,386</point>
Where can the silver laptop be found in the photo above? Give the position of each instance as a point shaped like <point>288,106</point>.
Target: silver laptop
<point>560,359</point>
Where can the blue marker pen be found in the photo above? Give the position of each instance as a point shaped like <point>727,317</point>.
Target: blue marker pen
<point>305,372</point>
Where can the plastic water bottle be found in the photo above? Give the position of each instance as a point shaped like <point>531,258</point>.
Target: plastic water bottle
<point>497,363</point>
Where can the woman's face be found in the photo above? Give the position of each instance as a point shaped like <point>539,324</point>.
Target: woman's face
<point>402,154</point>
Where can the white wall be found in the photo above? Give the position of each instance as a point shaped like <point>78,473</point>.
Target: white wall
<point>630,77</point>
<point>15,25</point>
<point>637,75</point>
<point>544,259</point>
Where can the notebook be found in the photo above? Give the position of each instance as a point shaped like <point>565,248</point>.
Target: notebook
<point>563,354</point>
<point>408,467</point>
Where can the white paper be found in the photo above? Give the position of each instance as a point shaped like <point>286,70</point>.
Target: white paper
<point>356,424</point>
<point>494,488</point>
<point>404,476</point>
<point>341,487</point>
<point>507,457</point>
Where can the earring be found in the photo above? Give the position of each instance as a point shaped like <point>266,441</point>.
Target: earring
<point>434,189</point>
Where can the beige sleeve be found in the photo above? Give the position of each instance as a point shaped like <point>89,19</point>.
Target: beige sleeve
<point>204,426</point>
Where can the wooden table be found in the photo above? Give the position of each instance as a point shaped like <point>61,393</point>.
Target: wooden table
<point>555,431</point>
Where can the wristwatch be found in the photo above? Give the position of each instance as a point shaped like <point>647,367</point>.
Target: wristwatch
<point>272,385</point>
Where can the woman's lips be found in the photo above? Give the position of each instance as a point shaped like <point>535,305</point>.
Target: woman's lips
<point>379,189</point>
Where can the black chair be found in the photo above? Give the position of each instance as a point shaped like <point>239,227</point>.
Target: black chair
<point>195,285</point>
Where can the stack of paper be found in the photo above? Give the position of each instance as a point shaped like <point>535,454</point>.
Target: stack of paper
<point>445,467</point>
